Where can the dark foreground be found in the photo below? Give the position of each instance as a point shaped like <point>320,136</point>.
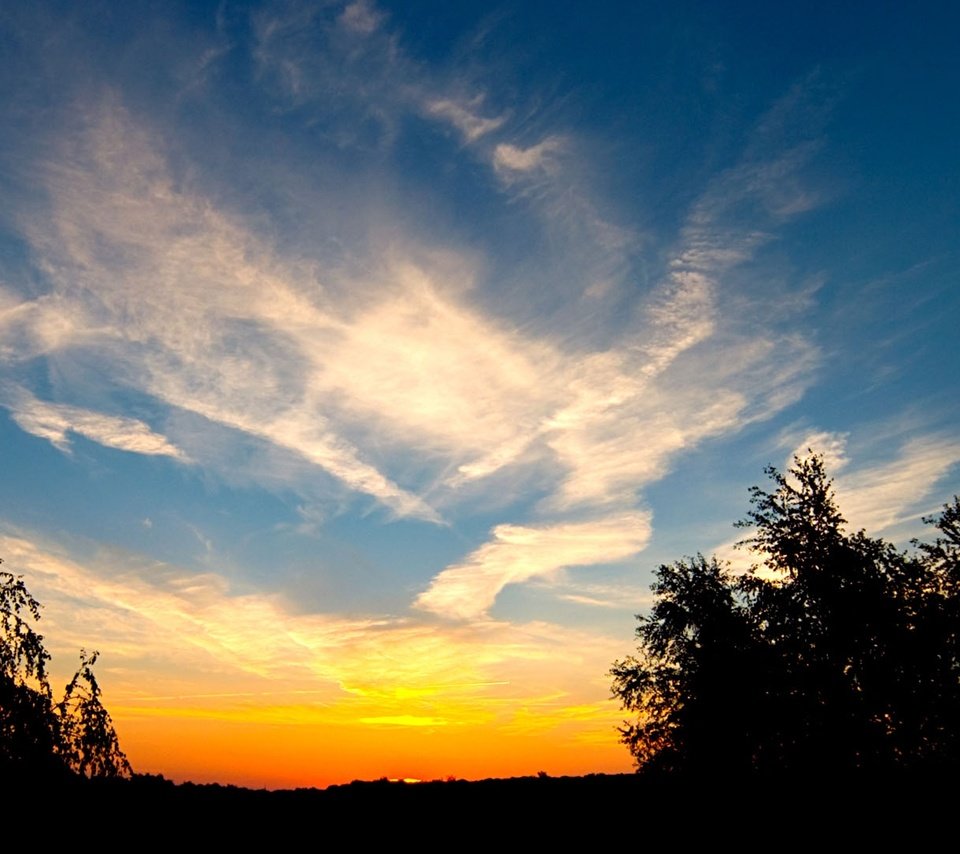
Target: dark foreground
<point>614,811</point>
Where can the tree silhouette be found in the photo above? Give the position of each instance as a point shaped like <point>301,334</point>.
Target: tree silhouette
<point>687,684</point>
<point>835,652</point>
<point>29,731</point>
<point>88,740</point>
<point>38,738</point>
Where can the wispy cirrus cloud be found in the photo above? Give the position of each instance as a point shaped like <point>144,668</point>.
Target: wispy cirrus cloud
<point>32,327</point>
<point>253,342</point>
<point>56,421</point>
<point>883,495</point>
<point>885,491</point>
<point>188,306</point>
<point>831,446</point>
<point>465,116</point>
<point>677,377</point>
<point>361,17</point>
<point>380,86</point>
<point>392,374</point>
<point>519,553</point>
<point>183,628</point>
<point>509,158</point>
<point>614,596</point>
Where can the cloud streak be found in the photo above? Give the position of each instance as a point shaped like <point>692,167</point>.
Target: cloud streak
<point>185,628</point>
<point>465,117</point>
<point>509,158</point>
<point>517,554</point>
<point>394,374</point>
<point>54,422</point>
<point>186,305</point>
<point>258,344</point>
<point>883,495</point>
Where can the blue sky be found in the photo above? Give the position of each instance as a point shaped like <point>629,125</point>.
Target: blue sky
<point>341,334</point>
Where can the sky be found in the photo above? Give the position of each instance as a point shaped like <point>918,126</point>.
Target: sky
<point>361,361</point>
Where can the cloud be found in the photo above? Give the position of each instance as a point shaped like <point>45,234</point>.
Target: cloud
<point>613,447</point>
<point>190,307</point>
<point>678,377</point>
<point>53,422</point>
<point>255,343</point>
<point>831,446</point>
<point>364,79</point>
<point>614,596</point>
<point>360,17</point>
<point>395,375</point>
<point>464,116</point>
<point>509,158</point>
<point>519,553</point>
<point>379,86</point>
<point>882,495</point>
<point>679,374</point>
<point>164,630</point>
<point>33,327</point>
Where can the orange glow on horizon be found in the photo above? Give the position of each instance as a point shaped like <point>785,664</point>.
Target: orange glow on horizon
<point>217,749</point>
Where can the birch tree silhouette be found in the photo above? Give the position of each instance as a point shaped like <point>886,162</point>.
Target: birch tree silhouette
<point>41,739</point>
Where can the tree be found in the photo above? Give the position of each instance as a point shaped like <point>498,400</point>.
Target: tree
<point>38,738</point>
<point>687,684</point>
<point>836,652</point>
<point>939,693</point>
<point>89,742</point>
<point>28,725</point>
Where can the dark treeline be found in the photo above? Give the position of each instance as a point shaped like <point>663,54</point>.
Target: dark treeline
<point>582,812</point>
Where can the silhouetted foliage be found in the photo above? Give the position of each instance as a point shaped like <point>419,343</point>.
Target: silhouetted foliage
<point>40,739</point>
<point>88,739</point>
<point>29,732</point>
<point>836,652</point>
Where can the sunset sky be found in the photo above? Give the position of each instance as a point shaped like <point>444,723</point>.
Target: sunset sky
<point>360,362</point>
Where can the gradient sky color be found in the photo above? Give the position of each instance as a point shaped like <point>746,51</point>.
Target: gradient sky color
<point>359,362</point>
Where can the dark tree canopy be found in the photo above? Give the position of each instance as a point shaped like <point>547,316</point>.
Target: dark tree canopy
<point>836,652</point>
<point>28,726</point>
<point>40,739</point>
<point>88,740</point>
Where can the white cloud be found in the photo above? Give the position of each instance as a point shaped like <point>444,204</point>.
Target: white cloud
<point>429,370</point>
<point>613,596</point>
<point>180,630</point>
<point>880,496</point>
<point>510,158</point>
<point>831,446</point>
<point>360,17</point>
<point>465,116</point>
<point>192,307</point>
<point>54,422</point>
<point>884,498</point>
<point>31,328</point>
<point>519,553</point>
<point>611,446</point>
<point>389,376</point>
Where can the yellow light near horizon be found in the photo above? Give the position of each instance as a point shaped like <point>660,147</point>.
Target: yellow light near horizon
<point>210,748</point>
